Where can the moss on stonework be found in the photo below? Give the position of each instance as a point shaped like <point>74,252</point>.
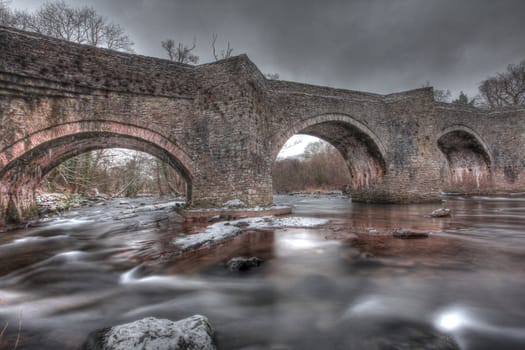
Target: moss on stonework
<point>33,211</point>
<point>11,213</point>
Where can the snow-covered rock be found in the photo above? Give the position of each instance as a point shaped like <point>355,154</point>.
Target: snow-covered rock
<point>192,333</point>
<point>296,221</point>
<point>441,213</point>
<point>219,231</point>
<point>213,234</point>
<point>154,207</point>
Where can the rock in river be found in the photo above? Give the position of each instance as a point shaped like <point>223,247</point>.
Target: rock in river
<point>192,333</point>
<point>440,213</point>
<point>241,263</point>
<point>404,233</point>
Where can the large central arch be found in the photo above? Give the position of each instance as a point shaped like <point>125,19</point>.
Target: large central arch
<point>362,150</point>
<point>28,160</point>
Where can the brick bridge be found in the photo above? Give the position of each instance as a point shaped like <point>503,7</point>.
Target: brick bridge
<point>221,125</point>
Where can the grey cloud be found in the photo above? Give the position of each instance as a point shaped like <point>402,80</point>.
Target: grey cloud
<point>372,45</point>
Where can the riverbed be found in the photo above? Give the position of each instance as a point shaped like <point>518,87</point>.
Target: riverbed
<point>345,284</point>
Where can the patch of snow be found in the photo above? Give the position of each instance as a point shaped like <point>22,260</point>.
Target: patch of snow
<point>273,207</point>
<point>153,207</point>
<point>291,221</point>
<point>194,332</point>
<point>222,230</point>
<point>234,203</point>
<point>301,222</point>
<point>214,233</point>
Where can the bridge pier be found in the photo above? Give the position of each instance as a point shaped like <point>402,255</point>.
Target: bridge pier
<point>17,205</point>
<point>17,194</point>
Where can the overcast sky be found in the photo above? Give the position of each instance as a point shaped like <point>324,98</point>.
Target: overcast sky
<point>369,45</point>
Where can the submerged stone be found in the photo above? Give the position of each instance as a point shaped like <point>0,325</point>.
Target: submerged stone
<point>192,333</point>
<point>404,233</point>
<point>241,224</point>
<point>241,263</point>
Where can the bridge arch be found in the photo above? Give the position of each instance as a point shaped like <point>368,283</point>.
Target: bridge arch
<point>41,137</point>
<point>362,150</point>
<point>27,161</point>
<point>469,161</point>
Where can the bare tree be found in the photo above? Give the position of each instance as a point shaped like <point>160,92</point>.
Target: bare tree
<point>116,39</point>
<point>505,89</point>
<point>463,99</point>
<point>225,53</point>
<point>22,20</point>
<point>169,46</point>
<point>5,14</point>
<point>59,20</point>
<point>322,168</point>
<point>180,52</point>
<point>440,95</point>
<point>17,19</point>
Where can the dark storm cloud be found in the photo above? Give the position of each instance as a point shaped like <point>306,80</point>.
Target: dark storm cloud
<point>390,45</point>
<point>381,46</point>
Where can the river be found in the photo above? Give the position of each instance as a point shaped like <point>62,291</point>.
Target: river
<point>344,285</point>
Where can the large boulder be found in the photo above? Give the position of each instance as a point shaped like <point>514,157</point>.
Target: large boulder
<point>192,333</point>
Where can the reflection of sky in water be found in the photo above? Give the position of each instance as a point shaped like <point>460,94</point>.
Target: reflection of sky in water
<point>287,241</point>
<point>451,320</point>
<point>457,320</point>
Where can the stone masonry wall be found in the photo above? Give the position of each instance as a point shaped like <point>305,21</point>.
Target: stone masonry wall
<point>222,124</point>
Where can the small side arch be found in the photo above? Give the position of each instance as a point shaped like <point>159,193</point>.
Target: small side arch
<point>63,133</point>
<point>469,160</point>
<point>27,161</point>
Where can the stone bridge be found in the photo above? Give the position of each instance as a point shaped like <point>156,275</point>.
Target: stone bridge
<point>221,125</point>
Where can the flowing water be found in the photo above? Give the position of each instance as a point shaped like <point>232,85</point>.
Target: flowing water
<point>345,285</point>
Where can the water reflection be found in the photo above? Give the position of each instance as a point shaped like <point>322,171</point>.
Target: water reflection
<point>343,285</point>
<point>451,320</point>
<point>301,241</point>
